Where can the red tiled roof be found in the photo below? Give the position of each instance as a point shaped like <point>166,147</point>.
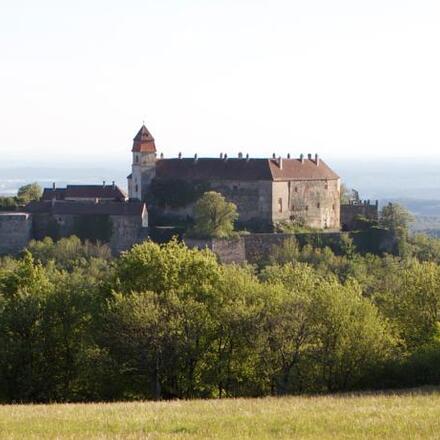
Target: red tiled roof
<point>85,192</point>
<point>81,208</point>
<point>294,169</point>
<point>242,169</point>
<point>143,142</point>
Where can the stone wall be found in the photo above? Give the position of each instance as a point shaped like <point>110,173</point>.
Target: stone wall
<point>252,198</point>
<point>227,251</point>
<point>15,232</point>
<point>257,248</point>
<point>124,231</point>
<point>127,231</point>
<point>315,202</point>
<point>350,211</point>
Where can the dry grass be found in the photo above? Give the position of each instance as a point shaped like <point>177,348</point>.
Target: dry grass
<point>405,415</point>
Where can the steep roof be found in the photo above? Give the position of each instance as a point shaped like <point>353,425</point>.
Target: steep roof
<point>295,169</point>
<point>80,208</point>
<point>143,142</point>
<point>85,191</point>
<point>243,169</point>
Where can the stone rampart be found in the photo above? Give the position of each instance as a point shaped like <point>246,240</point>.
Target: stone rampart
<point>15,232</point>
<point>257,248</point>
<point>350,211</point>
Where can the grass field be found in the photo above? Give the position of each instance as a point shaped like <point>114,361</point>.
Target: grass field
<point>404,415</point>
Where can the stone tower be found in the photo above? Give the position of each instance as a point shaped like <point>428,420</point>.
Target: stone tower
<point>143,167</point>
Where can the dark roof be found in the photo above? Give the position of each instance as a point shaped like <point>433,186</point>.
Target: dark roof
<point>144,142</point>
<point>294,169</point>
<point>85,191</point>
<point>82,208</point>
<point>243,169</point>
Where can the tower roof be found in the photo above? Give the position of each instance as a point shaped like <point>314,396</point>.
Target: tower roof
<point>143,142</point>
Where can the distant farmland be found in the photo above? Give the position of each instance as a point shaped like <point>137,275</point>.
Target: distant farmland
<point>404,415</point>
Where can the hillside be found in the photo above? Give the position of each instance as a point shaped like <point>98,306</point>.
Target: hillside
<point>407,414</point>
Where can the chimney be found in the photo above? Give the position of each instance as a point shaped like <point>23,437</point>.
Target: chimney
<point>317,159</point>
<point>309,156</point>
<point>113,185</point>
<point>103,183</point>
<point>161,155</point>
<point>247,157</point>
<point>226,157</point>
<point>274,156</point>
<point>195,158</point>
<point>221,155</point>
<point>54,187</point>
<point>301,158</point>
<point>180,156</point>
<point>280,162</point>
<point>240,155</point>
<point>288,155</point>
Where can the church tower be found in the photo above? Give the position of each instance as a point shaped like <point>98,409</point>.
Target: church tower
<point>143,165</point>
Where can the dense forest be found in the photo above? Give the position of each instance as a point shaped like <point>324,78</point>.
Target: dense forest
<point>165,321</point>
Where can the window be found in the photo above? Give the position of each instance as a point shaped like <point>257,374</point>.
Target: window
<point>136,158</point>
<point>333,206</point>
<point>296,189</point>
<point>136,189</point>
<point>318,205</point>
<point>280,204</point>
<point>307,207</point>
<point>326,185</point>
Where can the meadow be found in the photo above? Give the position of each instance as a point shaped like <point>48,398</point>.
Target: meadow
<point>413,414</point>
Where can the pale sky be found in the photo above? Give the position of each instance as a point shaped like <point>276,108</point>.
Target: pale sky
<point>339,77</point>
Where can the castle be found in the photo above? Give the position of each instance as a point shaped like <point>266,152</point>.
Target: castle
<point>266,191</point>
<point>161,191</point>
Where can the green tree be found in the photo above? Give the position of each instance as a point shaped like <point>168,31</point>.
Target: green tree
<point>214,216</point>
<point>395,217</point>
<point>29,193</point>
<point>169,267</point>
<point>412,303</point>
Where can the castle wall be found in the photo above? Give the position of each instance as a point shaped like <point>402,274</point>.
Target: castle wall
<point>315,202</point>
<point>257,248</point>
<point>349,212</point>
<point>127,231</point>
<point>227,251</point>
<point>15,232</point>
<point>252,198</point>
